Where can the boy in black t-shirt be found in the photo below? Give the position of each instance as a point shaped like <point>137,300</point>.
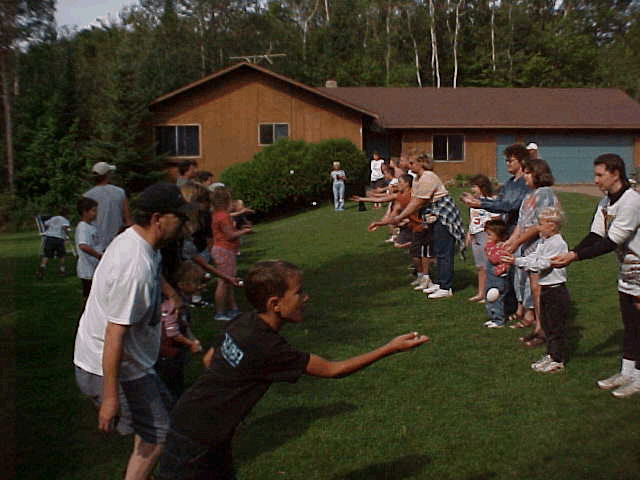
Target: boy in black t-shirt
<point>250,357</point>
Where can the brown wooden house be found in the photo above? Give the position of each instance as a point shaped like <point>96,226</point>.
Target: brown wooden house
<point>230,115</point>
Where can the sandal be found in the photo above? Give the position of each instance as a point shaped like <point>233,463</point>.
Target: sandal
<point>522,323</point>
<point>535,342</point>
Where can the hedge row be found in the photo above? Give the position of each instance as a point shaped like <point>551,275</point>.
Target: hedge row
<point>293,172</point>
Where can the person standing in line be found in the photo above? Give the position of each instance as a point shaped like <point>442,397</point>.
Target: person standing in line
<point>337,178</point>
<point>113,207</point>
<point>118,337</point>
<point>616,226</point>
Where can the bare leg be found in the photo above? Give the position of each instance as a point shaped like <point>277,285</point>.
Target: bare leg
<point>143,459</point>
<point>220,296</point>
<point>535,296</point>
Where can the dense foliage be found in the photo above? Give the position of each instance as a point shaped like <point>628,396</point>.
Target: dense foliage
<point>75,96</point>
<point>291,173</point>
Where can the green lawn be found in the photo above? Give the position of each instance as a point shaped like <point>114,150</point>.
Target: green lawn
<point>464,406</point>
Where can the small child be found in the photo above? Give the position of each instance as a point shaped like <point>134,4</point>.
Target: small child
<point>56,229</point>
<point>480,188</point>
<point>554,295</point>
<point>497,274</point>
<point>177,339</point>
<point>87,244</point>
<point>226,241</point>
<point>337,178</point>
<point>252,355</point>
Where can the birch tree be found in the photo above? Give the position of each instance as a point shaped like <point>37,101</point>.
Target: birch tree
<point>455,43</point>
<point>435,64</point>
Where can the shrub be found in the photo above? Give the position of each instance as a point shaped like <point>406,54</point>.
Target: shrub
<point>292,172</point>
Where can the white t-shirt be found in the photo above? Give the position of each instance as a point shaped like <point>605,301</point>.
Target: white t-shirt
<point>110,205</point>
<point>86,234</point>
<point>56,226</point>
<point>478,217</point>
<point>376,169</point>
<point>125,291</point>
<point>621,223</point>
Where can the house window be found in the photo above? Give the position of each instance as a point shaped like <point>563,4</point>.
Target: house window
<point>272,132</point>
<point>448,148</point>
<point>178,140</point>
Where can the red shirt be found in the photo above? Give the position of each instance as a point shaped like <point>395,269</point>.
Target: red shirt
<point>220,221</point>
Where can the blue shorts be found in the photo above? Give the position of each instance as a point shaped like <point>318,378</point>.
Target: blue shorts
<point>477,248</point>
<point>150,403</point>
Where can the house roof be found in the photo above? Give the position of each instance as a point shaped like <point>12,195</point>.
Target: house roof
<point>209,79</point>
<point>521,108</point>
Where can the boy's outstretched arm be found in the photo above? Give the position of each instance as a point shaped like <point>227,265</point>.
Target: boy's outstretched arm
<point>319,367</point>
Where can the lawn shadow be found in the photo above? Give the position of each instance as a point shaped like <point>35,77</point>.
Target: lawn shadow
<point>607,348</point>
<point>404,467</point>
<point>269,432</point>
<point>573,331</point>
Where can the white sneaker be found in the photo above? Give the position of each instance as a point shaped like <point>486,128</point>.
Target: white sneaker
<point>417,281</point>
<point>542,362</point>
<point>487,323</point>
<point>440,293</point>
<point>551,367</point>
<point>615,381</point>
<point>627,390</point>
<point>431,288</point>
<point>494,324</point>
<point>424,284</point>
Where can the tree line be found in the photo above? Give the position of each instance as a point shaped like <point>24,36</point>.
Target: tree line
<point>74,97</point>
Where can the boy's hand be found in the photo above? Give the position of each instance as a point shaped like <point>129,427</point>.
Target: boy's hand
<point>195,346</point>
<point>407,341</point>
<point>373,226</point>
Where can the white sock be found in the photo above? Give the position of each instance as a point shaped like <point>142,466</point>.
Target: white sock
<point>628,367</point>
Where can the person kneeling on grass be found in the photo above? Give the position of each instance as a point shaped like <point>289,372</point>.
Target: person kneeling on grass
<point>251,356</point>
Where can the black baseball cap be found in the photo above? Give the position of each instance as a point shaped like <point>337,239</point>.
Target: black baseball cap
<point>163,198</point>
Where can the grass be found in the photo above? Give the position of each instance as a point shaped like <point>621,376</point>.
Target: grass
<point>464,406</point>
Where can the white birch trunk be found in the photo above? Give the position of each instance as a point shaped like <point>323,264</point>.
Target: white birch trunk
<point>415,47</point>
<point>492,6</point>
<point>435,65</point>
<point>387,60</point>
<point>455,44</point>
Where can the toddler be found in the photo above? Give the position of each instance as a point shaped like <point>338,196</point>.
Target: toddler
<point>337,178</point>
<point>498,274</point>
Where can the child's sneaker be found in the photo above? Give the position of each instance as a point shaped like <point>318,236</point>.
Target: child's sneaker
<point>233,313</point>
<point>425,283</point>
<point>627,390</point>
<point>494,324</point>
<point>542,362</point>
<point>222,317</point>
<point>440,293</point>
<point>551,367</point>
<point>432,288</point>
<point>615,381</point>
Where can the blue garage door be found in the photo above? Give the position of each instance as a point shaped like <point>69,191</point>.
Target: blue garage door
<point>570,156</point>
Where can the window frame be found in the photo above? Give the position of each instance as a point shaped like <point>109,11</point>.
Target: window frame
<point>175,136</point>
<point>273,132</point>
<point>448,137</point>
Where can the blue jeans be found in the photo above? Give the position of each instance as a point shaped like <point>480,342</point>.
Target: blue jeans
<point>338,195</point>
<point>506,303</point>
<point>443,245</point>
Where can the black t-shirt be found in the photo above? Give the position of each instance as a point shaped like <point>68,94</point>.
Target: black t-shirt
<point>250,357</point>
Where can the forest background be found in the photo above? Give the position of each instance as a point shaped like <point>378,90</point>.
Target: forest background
<point>71,98</point>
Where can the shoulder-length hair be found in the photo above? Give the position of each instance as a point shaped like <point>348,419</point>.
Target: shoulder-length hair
<point>540,171</point>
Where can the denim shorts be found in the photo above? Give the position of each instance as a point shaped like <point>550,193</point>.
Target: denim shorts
<point>150,403</point>
<point>91,385</point>
<point>477,248</point>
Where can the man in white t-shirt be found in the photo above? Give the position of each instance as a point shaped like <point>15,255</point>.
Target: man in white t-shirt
<point>615,226</point>
<point>113,208</point>
<point>118,337</point>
